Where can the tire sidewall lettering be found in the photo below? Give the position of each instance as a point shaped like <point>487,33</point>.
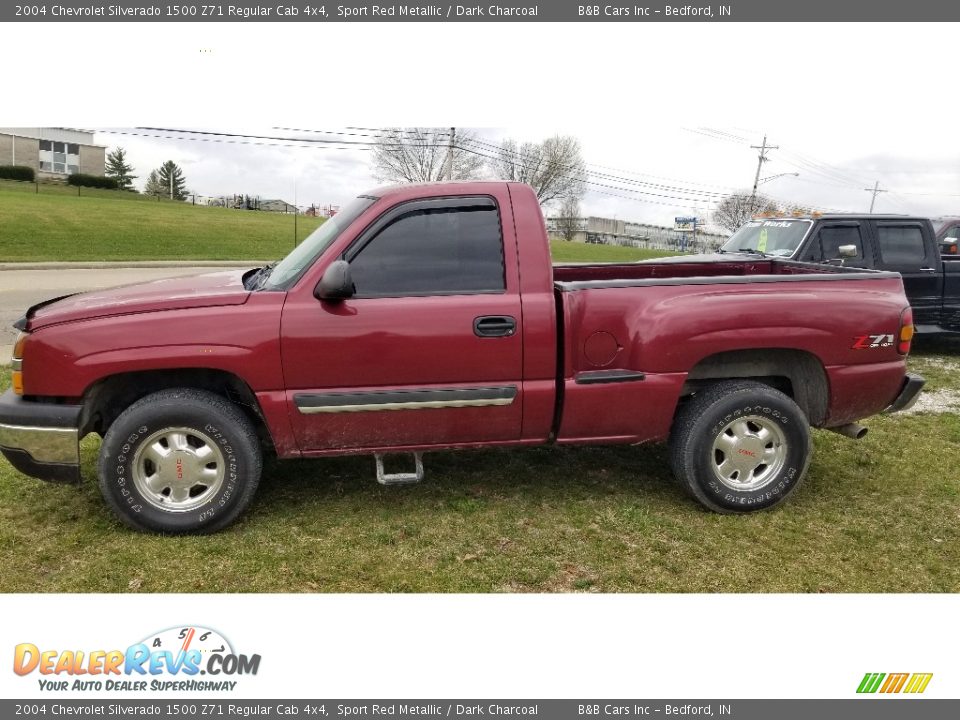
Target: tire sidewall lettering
<point>777,488</point>
<point>124,490</point>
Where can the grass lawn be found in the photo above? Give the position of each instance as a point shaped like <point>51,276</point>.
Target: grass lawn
<point>881,515</point>
<point>563,251</point>
<point>109,225</point>
<point>65,227</point>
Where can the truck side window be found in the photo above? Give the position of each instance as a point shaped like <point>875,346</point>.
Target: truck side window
<point>901,244</point>
<point>433,252</point>
<point>833,236</point>
<point>953,233</point>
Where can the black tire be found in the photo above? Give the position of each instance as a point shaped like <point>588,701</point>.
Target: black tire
<point>202,425</point>
<point>758,424</point>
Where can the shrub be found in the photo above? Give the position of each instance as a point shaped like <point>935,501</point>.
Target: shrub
<point>96,181</point>
<point>17,172</point>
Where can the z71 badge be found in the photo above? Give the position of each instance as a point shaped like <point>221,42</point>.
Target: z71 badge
<point>866,342</point>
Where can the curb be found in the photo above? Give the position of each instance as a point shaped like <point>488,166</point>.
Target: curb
<point>131,264</point>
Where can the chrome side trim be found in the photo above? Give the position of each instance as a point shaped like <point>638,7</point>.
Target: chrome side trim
<point>309,404</point>
<point>45,444</point>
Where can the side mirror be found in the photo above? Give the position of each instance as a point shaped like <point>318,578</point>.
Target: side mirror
<point>336,283</point>
<point>847,251</point>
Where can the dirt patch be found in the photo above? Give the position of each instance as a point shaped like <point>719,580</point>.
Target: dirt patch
<point>941,363</point>
<point>937,402</point>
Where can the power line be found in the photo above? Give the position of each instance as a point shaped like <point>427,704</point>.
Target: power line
<point>226,141</point>
<point>605,176</point>
<point>684,201</point>
<point>385,132</point>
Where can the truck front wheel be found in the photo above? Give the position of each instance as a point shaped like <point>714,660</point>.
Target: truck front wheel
<point>180,461</point>
<point>740,446</point>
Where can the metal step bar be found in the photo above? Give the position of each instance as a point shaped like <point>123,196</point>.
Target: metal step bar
<point>400,478</point>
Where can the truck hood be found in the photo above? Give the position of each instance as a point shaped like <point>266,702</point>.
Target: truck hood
<point>207,290</point>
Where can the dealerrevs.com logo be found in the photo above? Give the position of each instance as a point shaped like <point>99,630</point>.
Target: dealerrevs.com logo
<point>176,659</point>
<point>892,683</point>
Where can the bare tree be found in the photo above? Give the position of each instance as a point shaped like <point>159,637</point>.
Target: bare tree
<point>419,155</point>
<point>568,223</point>
<point>554,167</point>
<point>736,209</point>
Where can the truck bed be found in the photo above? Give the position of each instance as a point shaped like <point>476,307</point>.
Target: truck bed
<point>633,334</point>
<point>717,269</point>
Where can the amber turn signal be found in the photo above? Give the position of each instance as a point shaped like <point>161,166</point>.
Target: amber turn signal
<point>18,345</point>
<point>906,331</point>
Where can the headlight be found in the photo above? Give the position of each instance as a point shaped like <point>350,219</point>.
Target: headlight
<point>17,363</point>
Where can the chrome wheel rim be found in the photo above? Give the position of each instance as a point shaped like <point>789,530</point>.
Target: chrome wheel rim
<point>178,469</point>
<point>748,453</point>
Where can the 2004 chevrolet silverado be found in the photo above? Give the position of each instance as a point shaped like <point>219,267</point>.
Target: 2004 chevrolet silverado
<point>430,316</point>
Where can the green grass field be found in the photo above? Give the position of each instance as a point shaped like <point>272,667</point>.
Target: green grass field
<point>68,228</point>
<point>108,225</point>
<point>581,252</point>
<point>879,515</point>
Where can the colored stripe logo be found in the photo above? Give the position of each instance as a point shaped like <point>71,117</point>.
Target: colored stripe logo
<point>913,683</point>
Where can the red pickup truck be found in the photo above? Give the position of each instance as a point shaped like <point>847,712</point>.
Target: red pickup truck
<point>430,316</point>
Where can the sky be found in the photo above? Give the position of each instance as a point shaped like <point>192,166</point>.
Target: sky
<point>665,104</point>
<point>653,176</point>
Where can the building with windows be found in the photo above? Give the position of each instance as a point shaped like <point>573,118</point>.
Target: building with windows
<point>53,153</point>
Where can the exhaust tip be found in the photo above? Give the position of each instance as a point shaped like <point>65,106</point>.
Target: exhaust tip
<point>851,430</point>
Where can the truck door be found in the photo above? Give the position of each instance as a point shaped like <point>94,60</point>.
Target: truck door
<point>830,237</point>
<point>903,246</point>
<point>428,351</point>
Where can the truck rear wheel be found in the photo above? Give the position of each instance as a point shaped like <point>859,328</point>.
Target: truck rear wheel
<point>180,461</point>
<point>740,446</point>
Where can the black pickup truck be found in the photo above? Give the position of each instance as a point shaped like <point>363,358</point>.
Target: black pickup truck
<point>908,245</point>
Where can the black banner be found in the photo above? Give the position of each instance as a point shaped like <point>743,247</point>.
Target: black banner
<point>317,11</point>
<point>874,708</point>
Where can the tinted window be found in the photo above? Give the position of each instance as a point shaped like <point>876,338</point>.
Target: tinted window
<point>433,252</point>
<point>831,237</point>
<point>953,233</point>
<point>901,245</point>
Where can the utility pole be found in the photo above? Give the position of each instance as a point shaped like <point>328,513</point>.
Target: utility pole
<point>875,189</point>
<point>171,184</point>
<point>453,135</point>
<point>761,159</point>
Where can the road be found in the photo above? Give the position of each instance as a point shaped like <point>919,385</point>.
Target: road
<point>19,289</point>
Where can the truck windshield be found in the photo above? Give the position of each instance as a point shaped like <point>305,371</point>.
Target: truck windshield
<point>287,271</point>
<point>772,237</point>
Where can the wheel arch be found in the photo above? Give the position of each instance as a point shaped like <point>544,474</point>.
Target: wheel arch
<point>105,399</point>
<point>797,373</point>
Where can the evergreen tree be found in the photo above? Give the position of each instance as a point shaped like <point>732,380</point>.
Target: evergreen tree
<point>172,180</point>
<point>153,186</point>
<point>118,169</point>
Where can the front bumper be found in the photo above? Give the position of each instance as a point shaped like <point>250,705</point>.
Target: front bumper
<point>909,393</point>
<point>41,439</point>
